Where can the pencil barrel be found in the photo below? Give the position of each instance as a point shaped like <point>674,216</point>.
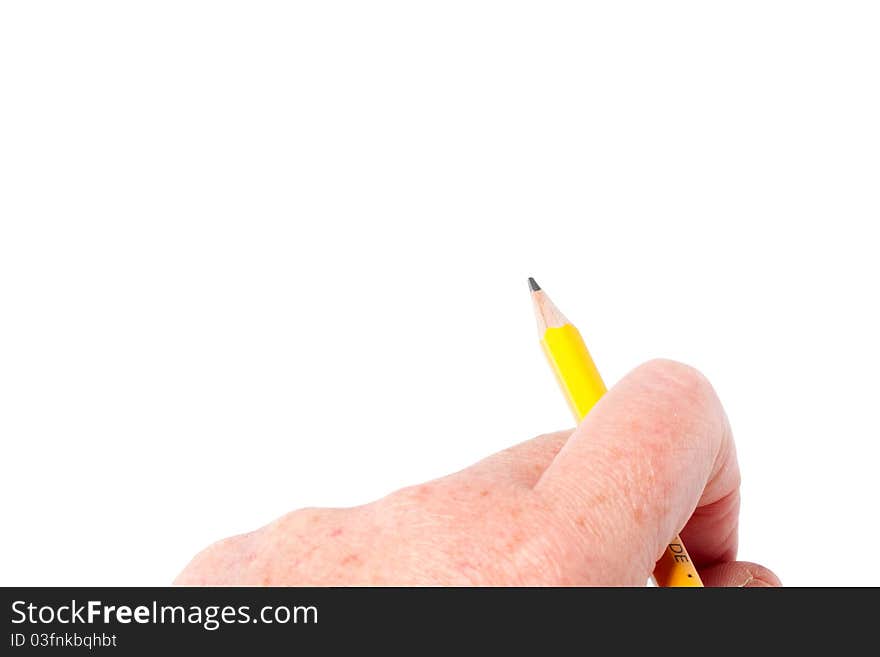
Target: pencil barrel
<point>574,368</point>
<point>675,567</point>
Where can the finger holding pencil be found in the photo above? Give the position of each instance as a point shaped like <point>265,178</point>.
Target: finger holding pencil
<point>582,386</point>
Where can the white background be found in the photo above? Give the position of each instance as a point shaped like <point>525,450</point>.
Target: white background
<point>260,256</point>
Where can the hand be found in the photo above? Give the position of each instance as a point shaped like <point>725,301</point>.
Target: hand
<point>593,506</point>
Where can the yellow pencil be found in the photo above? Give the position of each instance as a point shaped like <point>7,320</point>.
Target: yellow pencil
<point>582,386</point>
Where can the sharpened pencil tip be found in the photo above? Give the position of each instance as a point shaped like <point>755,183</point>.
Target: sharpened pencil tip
<point>533,284</point>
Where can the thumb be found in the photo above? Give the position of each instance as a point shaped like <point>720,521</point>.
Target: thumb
<point>655,448</point>
<point>739,573</point>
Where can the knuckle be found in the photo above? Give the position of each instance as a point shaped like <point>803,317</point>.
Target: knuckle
<point>217,557</point>
<point>679,387</point>
<point>409,498</point>
<point>680,377</point>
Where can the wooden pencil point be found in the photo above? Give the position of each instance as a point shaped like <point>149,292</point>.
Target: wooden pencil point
<point>546,312</point>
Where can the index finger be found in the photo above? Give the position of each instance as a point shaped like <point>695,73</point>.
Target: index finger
<point>653,457</point>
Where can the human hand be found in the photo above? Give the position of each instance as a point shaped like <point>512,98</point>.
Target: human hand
<point>593,506</point>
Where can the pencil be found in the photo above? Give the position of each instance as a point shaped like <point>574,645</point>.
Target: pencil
<point>583,387</point>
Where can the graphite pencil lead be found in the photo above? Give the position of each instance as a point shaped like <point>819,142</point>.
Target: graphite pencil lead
<point>533,284</point>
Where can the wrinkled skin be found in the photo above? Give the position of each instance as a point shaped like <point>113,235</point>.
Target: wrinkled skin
<point>593,506</point>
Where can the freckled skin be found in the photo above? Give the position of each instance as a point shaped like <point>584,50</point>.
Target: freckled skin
<point>655,455</point>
